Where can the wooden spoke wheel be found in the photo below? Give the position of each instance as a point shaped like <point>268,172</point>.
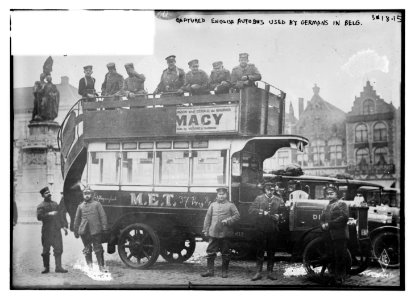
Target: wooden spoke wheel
<point>178,249</point>
<point>138,246</point>
<point>386,249</point>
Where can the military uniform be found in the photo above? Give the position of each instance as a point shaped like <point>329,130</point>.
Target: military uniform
<point>53,220</point>
<point>250,70</point>
<point>171,80</point>
<point>90,222</point>
<point>220,80</point>
<point>86,86</point>
<point>220,216</point>
<point>335,217</point>
<point>134,84</point>
<point>112,84</point>
<point>200,78</point>
<point>265,212</point>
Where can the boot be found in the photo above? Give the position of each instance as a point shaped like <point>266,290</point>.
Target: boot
<point>88,258</point>
<point>270,269</point>
<point>225,267</point>
<point>100,260</point>
<point>58,264</point>
<point>258,275</point>
<point>210,267</point>
<point>45,263</point>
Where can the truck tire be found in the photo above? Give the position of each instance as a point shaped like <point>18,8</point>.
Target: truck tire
<point>178,251</point>
<point>138,246</point>
<point>387,242</point>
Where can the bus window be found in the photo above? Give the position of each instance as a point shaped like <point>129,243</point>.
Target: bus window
<point>172,167</point>
<point>137,168</point>
<point>209,168</point>
<point>103,167</point>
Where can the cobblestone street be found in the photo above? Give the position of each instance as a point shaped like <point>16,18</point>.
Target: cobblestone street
<point>27,264</point>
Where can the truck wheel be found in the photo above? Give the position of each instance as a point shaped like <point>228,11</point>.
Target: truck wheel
<point>317,260</point>
<point>386,249</point>
<point>179,251</point>
<point>138,246</point>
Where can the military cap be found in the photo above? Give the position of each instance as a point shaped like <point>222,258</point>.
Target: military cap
<point>171,58</point>
<point>243,55</point>
<point>111,65</point>
<point>87,67</point>
<point>44,190</point>
<point>87,189</point>
<point>269,185</point>
<point>217,64</point>
<point>192,62</point>
<point>331,188</point>
<point>222,189</point>
<point>129,65</point>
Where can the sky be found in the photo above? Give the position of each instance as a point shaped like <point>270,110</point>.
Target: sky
<point>338,58</point>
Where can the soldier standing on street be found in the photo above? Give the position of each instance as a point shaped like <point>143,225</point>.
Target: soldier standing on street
<point>52,218</point>
<point>196,81</point>
<point>265,210</point>
<point>171,80</point>
<point>334,223</point>
<point>113,82</point>
<point>86,87</point>
<point>245,74</point>
<point>220,79</point>
<point>90,223</point>
<point>220,215</point>
<point>134,83</point>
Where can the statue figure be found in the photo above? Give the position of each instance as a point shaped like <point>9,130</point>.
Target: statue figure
<point>46,94</point>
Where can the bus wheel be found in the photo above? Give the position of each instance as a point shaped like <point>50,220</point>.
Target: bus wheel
<point>179,250</point>
<point>138,246</point>
<point>386,249</point>
<point>317,260</point>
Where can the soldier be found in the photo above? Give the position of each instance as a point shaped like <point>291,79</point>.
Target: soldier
<point>86,87</point>
<point>113,82</point>
<point>220,215</point>
<point>266,210</point>
<point>196,81</point>
<point>334,224</point>
<point>90,223</point>
<point>134,83</point>
<point>52,218</point>
<point>245,74</point>
<point>172,79</point>
<point>220,79</point>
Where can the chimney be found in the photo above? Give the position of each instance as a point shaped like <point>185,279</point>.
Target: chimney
<point>300,106</point>
<point>64,80</point>
<point>291,110</point>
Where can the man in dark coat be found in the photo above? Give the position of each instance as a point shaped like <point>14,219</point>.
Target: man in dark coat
<point>266,210</point>
<point>52,218</point>
<point>220,79</point>
<point>245,74</point>
<point>113,82</point>
<point>171,80</point>
<point>334,223</point>
<point>196,81</point>
<point>134,83</point>
<point>90,223</point>
<point>220,215</point>
<point>86,87</point>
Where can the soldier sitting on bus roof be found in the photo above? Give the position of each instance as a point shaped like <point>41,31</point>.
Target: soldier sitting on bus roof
<point>86,87</point>
<point>245,74</point>
<point>171,80</point>
<point>220,79</point>
<point>196,81</point>
<point>134,83</point>
<point>113,82</point>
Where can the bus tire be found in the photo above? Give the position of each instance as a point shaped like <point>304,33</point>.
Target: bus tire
<point>388,241</point>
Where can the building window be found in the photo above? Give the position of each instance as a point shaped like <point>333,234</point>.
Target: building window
<point>318,151</point>
<point>368,107</point>
<point>380,155</point>
<point>336,152</point>
<point>362,157</point>
<point>283,158</point>
<point>379,132</point>
<point>302,157</point>
<point>361,133</point>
